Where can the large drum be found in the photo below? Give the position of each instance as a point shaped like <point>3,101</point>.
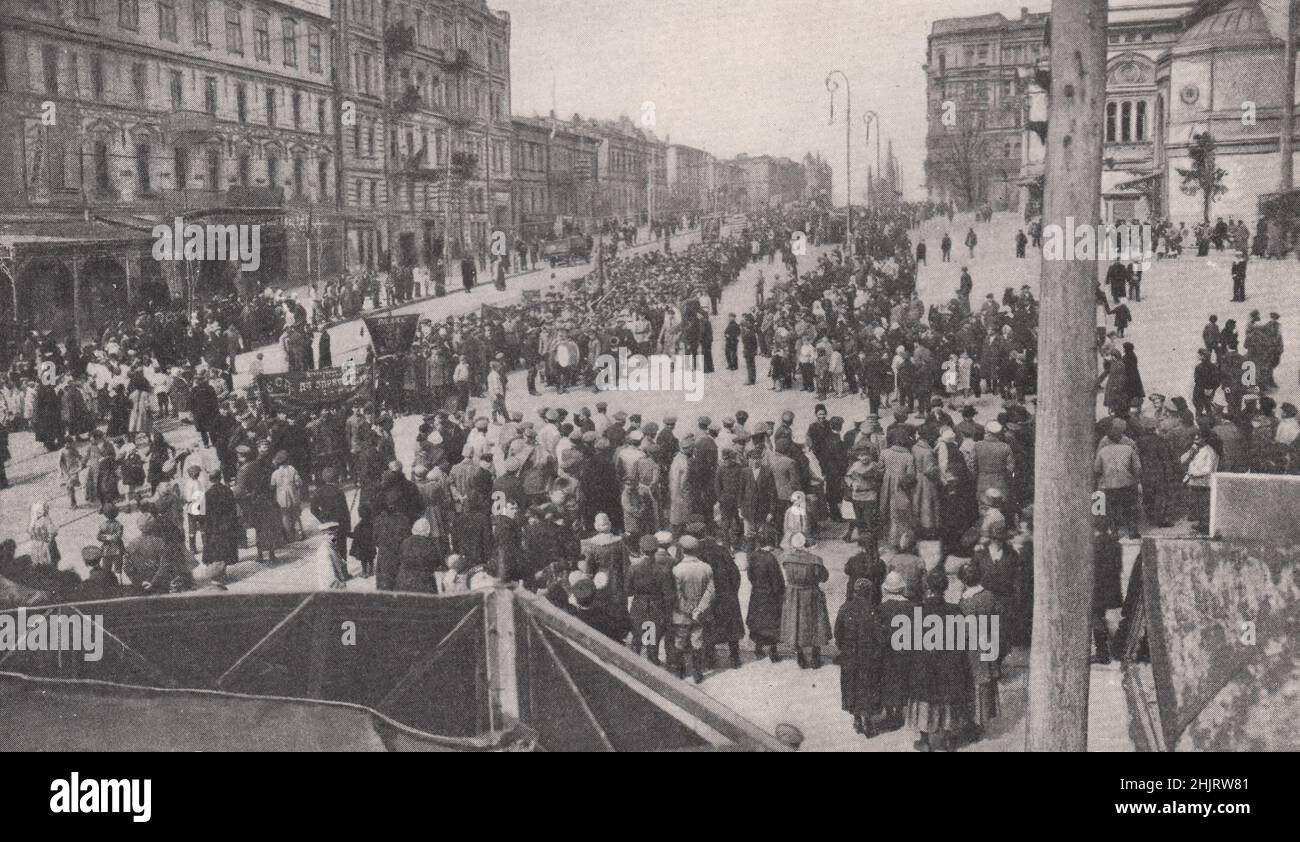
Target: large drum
<point>567,354</point>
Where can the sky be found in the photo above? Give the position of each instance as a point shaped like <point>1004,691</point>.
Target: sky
<point>733,76</point>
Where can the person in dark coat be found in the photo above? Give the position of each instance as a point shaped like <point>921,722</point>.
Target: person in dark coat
<point>205,409</point>
<point>766,595</point>
<point>329,505</point>
<point>363,541</point>
<point>1133,377</point>
<point>471,534</point>
<point>418,560</point>
<point>391,528</point>
<point>221,529</point>
<point>47,420</point>
<point>866,564</point>
<point>861,642</point>
<point>324,355</point>
<point>1108,566</point>
<point>256,504</point>
<point>119,412</point>
<point>896,666</point>
<point>940,678</point>
<point>653,594</point>
<point>468,273</point>
<point>805,622</point>
<point>985,674</point>
<point>725,624</point>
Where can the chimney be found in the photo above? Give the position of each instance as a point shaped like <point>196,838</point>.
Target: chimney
<point>1024,12</point>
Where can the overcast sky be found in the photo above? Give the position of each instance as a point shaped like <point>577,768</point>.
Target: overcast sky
<point>734,76</point>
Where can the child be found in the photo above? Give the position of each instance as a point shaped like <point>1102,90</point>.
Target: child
<point>132,470</point>
<point>194,489</point>
<point>111,545</point>
<point>99,583</point>
<point>70,463</point>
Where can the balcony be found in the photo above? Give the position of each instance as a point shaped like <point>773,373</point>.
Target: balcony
<point>255,197</point>
<point>191,199</point>
<point>180,123</point>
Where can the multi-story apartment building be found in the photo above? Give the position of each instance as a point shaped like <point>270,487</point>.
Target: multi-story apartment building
<point>690,175</point>
<point>622,165</point>
<point>439,177</point>
<point>770,181</point>
<point>121,115</point>
<point>554,175</point>
<point>975,105</point>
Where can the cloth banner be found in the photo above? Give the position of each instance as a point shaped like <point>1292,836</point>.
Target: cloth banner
<point>299,391</point>
<point>392,334</point>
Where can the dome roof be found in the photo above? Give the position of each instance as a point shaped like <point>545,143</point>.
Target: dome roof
<point>1239,24</point>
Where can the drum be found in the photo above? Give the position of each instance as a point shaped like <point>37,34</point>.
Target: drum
<point>567,354</point>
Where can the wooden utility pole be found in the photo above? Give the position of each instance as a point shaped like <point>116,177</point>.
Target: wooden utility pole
<point>1063,446</point>
<point>1287,130</point>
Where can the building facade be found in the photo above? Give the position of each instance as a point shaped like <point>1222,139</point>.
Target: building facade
<point>127,115</point>
<point>554,176</point>
<point>975,99</point>
<point>769,181</point>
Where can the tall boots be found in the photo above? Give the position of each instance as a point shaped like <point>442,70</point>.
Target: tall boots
<point>696,673</point>
<point>771,653</point>
<point>734,646</point>
<point>1101,641</point>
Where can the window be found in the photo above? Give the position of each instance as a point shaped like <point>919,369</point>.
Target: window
<point>370,141</point>
<point>1110,121</point>
<point>420,32</point>
<point>1125,121</point>
<point>361,198</point>
<point>177,90</point>
<point>374,192</point>
<point>270,106</point>
<point>323,179</point>
<point>140,83</point>
<point>241,103</point>
<point>289,32</point>
<point>167,19</point>
<point>86,9</point>
<point>272,170</point>
<point>97,78</point>
<point>356,138</point>
<point>103,178</point>
<point>296,100</point>
<point>128,14</point>
<point>313,50</point>
<point>181,163</point>
<point>262,36</point>
<point>321,120</point>
<point>234,31</point>
<point>210,95</point>
<point>201,22</point>
<point>245,165</point>
<point>298,182</point>
<point>214,169</point>
<point>142,182</point>
<point>74,75</point>
<point>50,66</point>
<point>1140,121</point>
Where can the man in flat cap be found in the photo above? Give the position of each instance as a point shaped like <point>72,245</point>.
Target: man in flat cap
<point>695,594</point>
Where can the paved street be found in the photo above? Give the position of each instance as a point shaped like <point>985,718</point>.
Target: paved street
<point>766,693</point>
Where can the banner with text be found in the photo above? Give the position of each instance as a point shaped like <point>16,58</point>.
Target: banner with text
<point>299,391</point>
<point>392,334</point>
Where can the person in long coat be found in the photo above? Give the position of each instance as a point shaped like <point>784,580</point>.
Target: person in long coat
<point>47,418</point>
<point>978,602</point>
<point>256,505</point>
<point>805,622</point>
<point>724,623</point>
<point>204,407</point>
<point>221,529</point>
<point>766,596</point>
<point>606,553</point>
<point>324,354</point>
<point>391,528</point>
<point>925,497</point>
<point>861,643</point>
<point>1132,375</point>
<point>77,416</point>
<point>897,486</point>
<point>653,594</point>
<point>896,665</point>
<point>679,493</point>
<point>940,682</point>
<point>418,560</point>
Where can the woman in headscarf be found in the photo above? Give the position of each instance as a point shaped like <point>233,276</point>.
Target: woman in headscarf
<point>390,530</point>
<point>796,519</point>
<point>766,595</point>
<point>606,553</point>
<point>41,530</point>
<point>860,638</point>
<point>1132,375</point>
<point>418,560</point>
<point>939,681</point>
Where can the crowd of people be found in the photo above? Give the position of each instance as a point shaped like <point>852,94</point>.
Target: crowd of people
<point>634,524</point>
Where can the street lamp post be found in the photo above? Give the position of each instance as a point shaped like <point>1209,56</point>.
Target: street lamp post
<point>832,86</point>
<point>869,118</point>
